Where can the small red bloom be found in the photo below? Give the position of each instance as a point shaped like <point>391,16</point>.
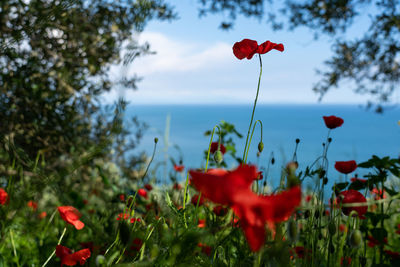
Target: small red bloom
<point>378,193</point>
<point>398,229</point>
<point>352,196</point>
<point>308,198</point>
<point>342,228</point>
<point>42,215</point>
<point>214,147</point>
<point>143,193</point>
<point>195,198</point>
<point>372,242</point>
<point>71,215</point>
<point>333,122</point>
<point>122,197</point>
<point>177,186</point>
<point>345,261</point>
<point>220,210</point>
<point>123,216</point>
<point>179,168</point>
<point>3,196</point>
<point>135,220</point>
<point>148,187</point>
<point>136,244</point>
<point>70,259</point>
<point>247,48</point>
<point>201,223</point>
<point>205,249</point>
<point>32,205</point>
<point>394,255</point>
<point>345,167</point>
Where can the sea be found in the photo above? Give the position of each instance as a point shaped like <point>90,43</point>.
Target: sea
<point>180,130</point>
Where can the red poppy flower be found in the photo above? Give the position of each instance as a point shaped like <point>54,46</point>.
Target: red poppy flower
<point>308,198</point>
<point>220,186</point>
<point>247,48</point>
<point>342,228</point>
<point>71,215</point>
<point>122,197</point>
<point>143,193</point>
<point>201,223</point>
<point>179,168</point>
<point>32,205</point>
<point>148,187</point>
<point>3,196</point>
<point>136,244</point>
<point>220,211</point>
<point>346,261</point>
<point>123,216</point>
<point>70,259</point>
<point>378,193</point>
<point>345,166</point>
<point>205,249</point>
<point>372,242</point>
<point>42,215</point>
<point>177,186</point>
<point>135,220</point>
<point>214,147</point>
<point>394,255</point>
<point>333,122</point>
<point>352,196</point>
<point>195,198</point>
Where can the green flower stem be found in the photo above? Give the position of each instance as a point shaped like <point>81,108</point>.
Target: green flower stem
<point>54,251</point>
<point>251,137</point>
<point>254,108</point>
<point>151,160</point>
<point>209,146</point>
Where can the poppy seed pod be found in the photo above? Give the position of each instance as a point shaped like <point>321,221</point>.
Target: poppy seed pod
<point>156,140</point>
<point>355,239</point>
<point>260,147</point>
<point>218,156</point>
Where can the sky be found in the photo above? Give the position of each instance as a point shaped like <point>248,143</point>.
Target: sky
<point>194,64</point>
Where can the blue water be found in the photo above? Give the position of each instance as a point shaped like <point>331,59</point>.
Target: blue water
<point>363,134</point>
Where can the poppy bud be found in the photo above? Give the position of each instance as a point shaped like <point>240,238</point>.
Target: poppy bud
<point>260,147</point>
<point>332,228</point>
<point>329,139</point>
<point>321,173</point>
<point>264,183</point>
<point>100,260</point>
<point>297,140</point>
<point>292,230</point>
<point>325,181</point>
<point>156,140</point>
<point>355,239</point>
<point>218,157</point>
<point>272,161</point>
<point>258,154</point>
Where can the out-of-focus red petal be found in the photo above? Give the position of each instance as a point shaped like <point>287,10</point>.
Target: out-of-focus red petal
<point>71,215</point>
<point>255,235</point>
<point>332,122</point>
<point>81,256</point>
<point>268,46</point>
<point>353,196</point>
<point>214,147</point>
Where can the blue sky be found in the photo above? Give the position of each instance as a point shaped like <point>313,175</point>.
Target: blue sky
<point>194,64</point>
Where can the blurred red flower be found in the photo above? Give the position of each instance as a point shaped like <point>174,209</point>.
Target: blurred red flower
<point>42,215</point>
<point>71,215</point>
<point>148,187</point>
<point>136,244</point>
<point>179,168</point>
<point>345,167</point>
<point>233,189</point>
<point>394,255</point>
<point>345,261</point>
<point>205,249</point>
<point>3,196</point>
<point>378,193</point>
<point>32,205</point>
<point>247,48</point>
<point>372,242</point>
<point>143,193</point>
<point>201,223</point>
<point>177,186</point>
<point>122,197</point>
<point>214,147</point>
<point>220,210</point>
<point>333,122</point>
<point>195,198</point>
<point>123,216</point>
<point>352,196</point>
<point>70,259</point>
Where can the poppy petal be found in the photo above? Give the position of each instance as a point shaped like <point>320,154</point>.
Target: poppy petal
<point>268,46</point>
